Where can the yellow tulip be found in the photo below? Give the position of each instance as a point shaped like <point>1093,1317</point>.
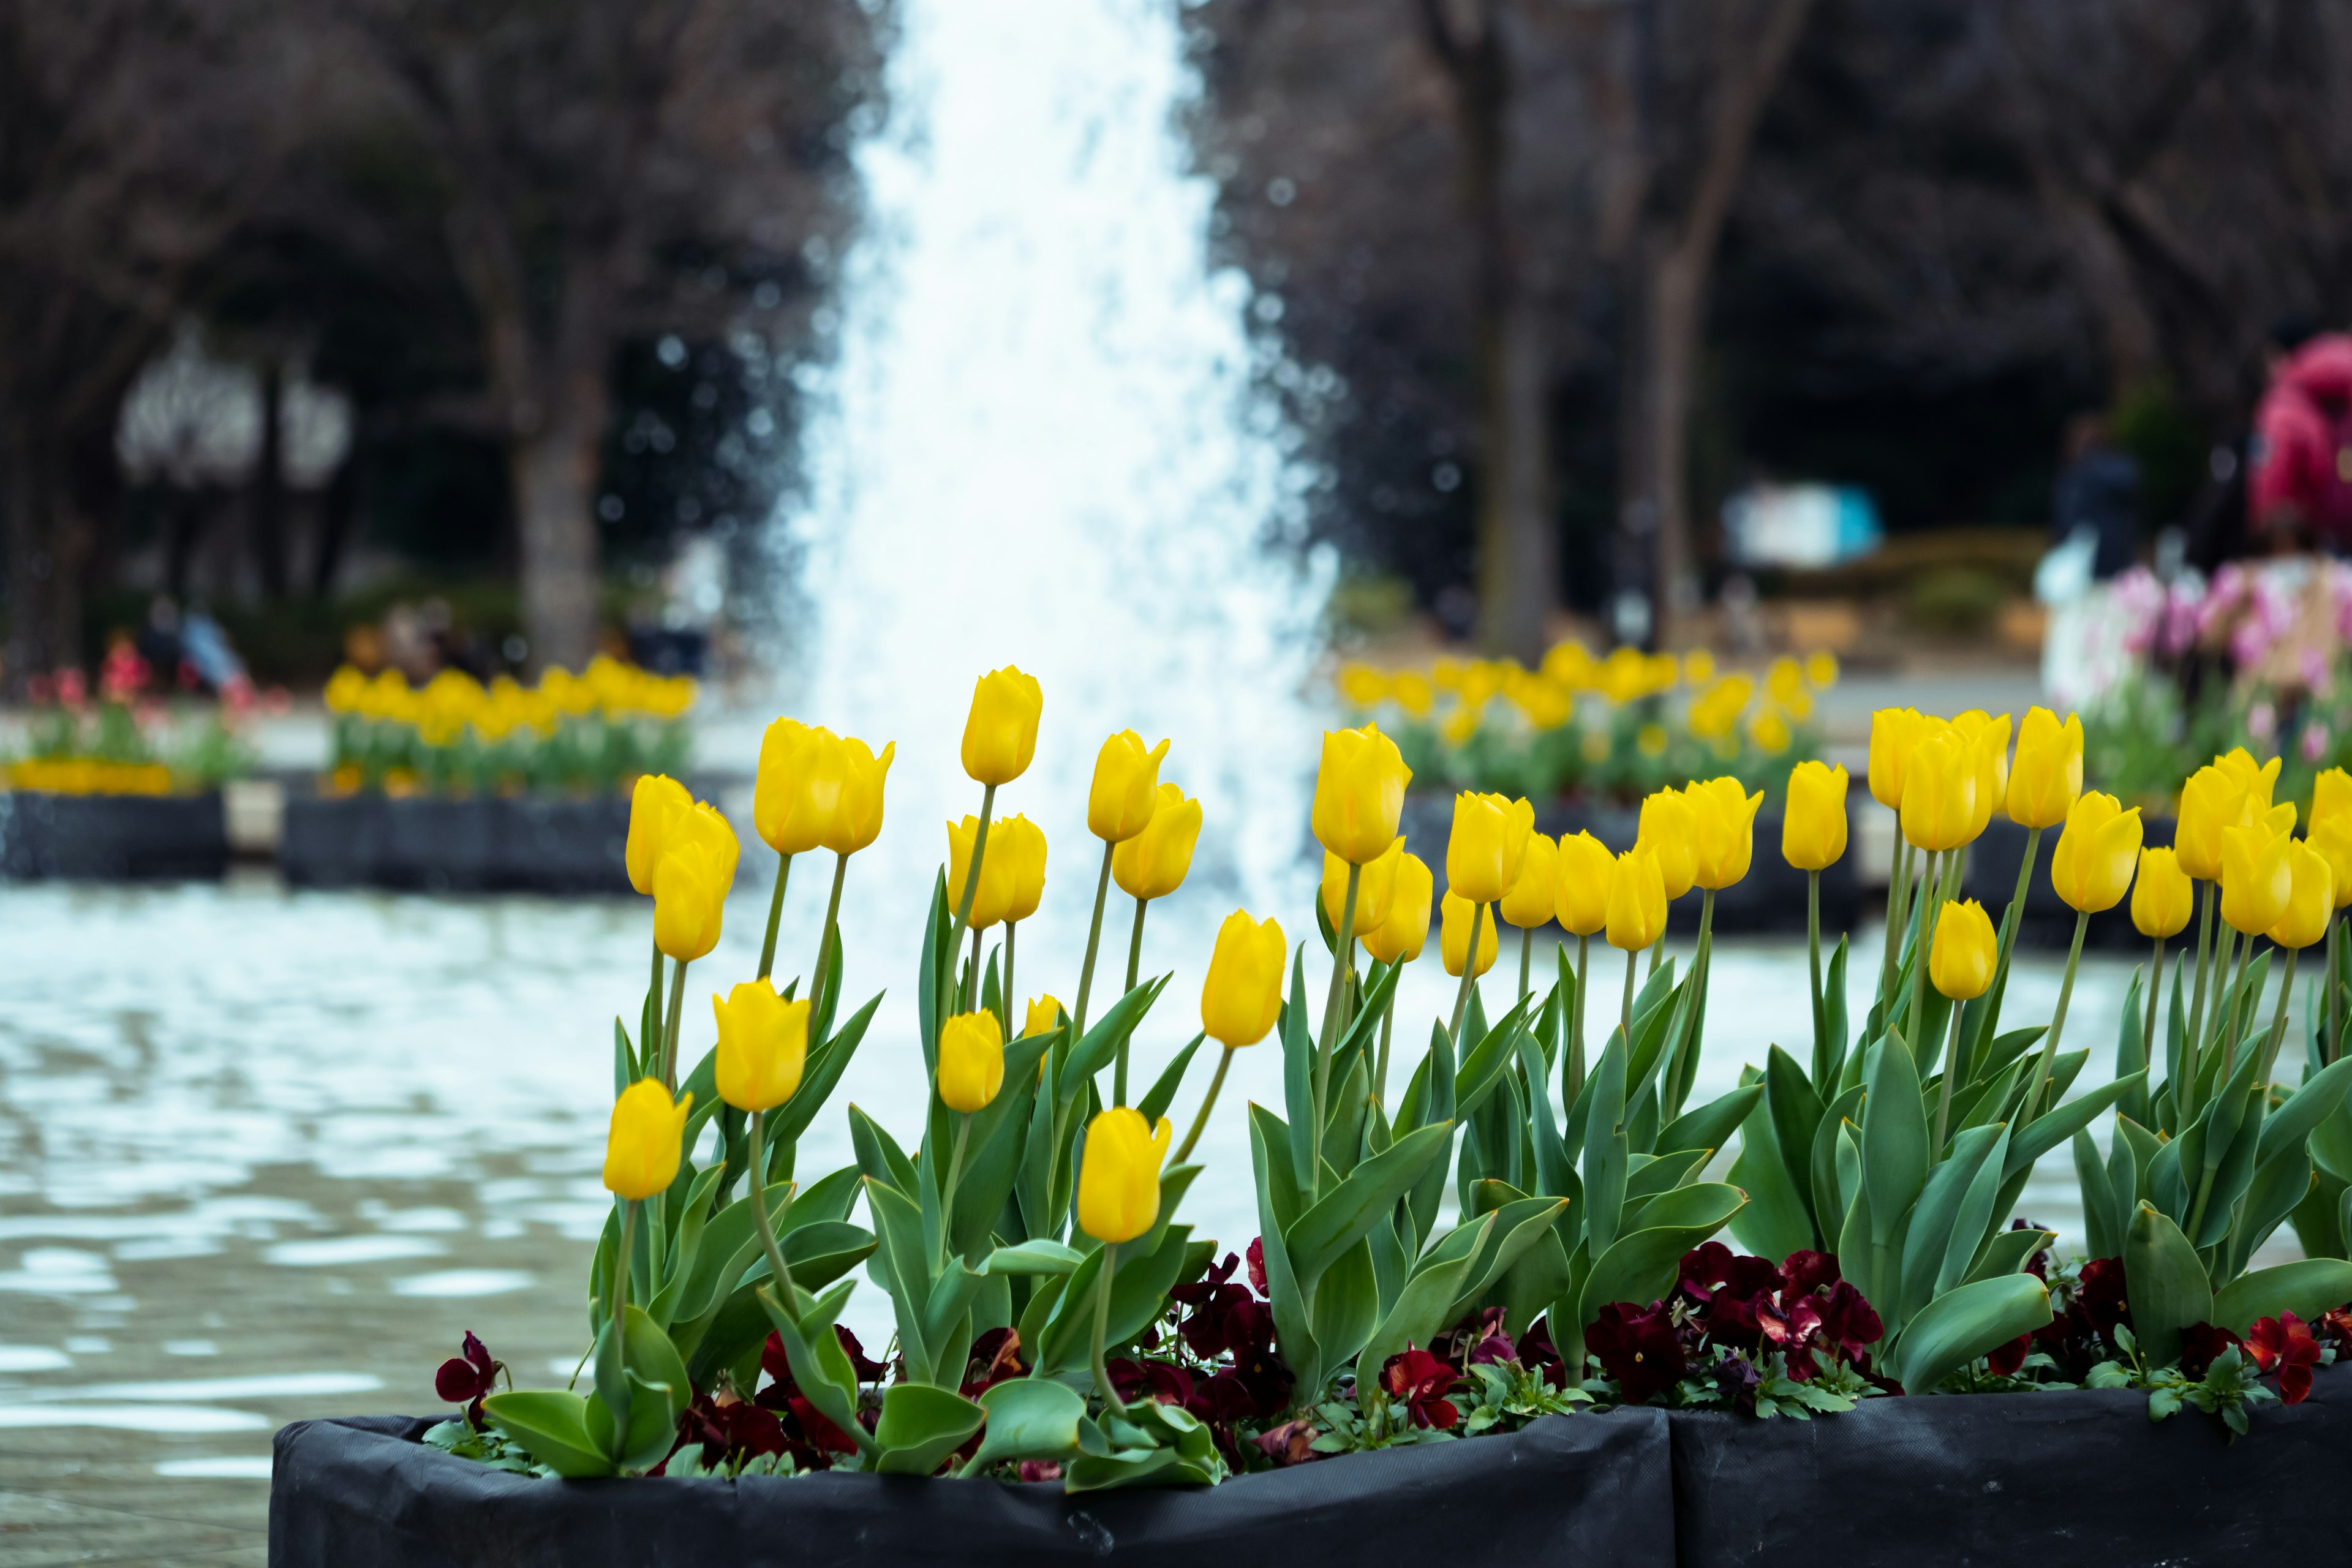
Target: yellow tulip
<point>641,1149</point>
<point>763,1045</point>
<point>991,900</point>
<point>1020,843</point>
<point>2311,903</point>
<point>1894,731</point>
<point>1000,737</point>
<point>2332,838</point>
<point>2048,773</point>
<point>1822,669</point>
<point>1243,992</point>
<point>1375,887</point>
<point>2211,803</point>
<point>1726,817</point>
<point>1812,822</point>
<point>2256,878</point>
<point>2091,866</point>
<point>856,818</point>
<point>1581,893</point>
<point>1489,846</point>
<point>2279,820</point>
<point>1153,863</point>
<point>1960,962</point>
<point>652,803</point>
<point>2331,798</point>
<point>1530,902</point>
<point>972,1060</point>
<point>1043,1016</point>
<point>1119,1175</point>
<point>1454,936</point>
<point>1669,831</point>
<point>1399,937</point>
<point>1637,901</point>
<point>1414,695</point>
<point>2162,895</point>
<point>1126,788</point>
<point>1358,794</point>
<point>1988,746</point>
<point>2258,778</point>
<point>1940,785</point>
<point>798,787</point>
<point>689,902</point>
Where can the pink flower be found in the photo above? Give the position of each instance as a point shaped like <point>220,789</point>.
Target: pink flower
<point>2315,740</point>
<point>2261,724</point>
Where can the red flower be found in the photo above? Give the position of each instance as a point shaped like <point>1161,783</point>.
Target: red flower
<point>2284,1344</point>
<point>1849,1323</point>
<point>1418,1381</point>
<point>1806,1272</point>
<point>1257,1256</point>
<point>731,1428</point>
<point>1040,1471</point>
<point>1638,1348</point>
<point>1292,1443</point>
<point>1538,1351</point>
<point>2005,1360</point>
<point>465,1378</point>
<point>1225,1317</point>
<point>1163,1382</point>
<point>2201,1345</point>
<point>995,1358</point>
<point>1734,1292</point>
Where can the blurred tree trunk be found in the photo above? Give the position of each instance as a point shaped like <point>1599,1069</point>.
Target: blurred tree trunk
<point>1517,553</point>
<point>269,483</point>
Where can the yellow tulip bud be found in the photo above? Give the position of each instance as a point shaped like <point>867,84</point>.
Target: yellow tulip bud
<point>2311,903</point>
<point>1153,863</point>
<point>642,1148</point>
<point>1581,891</point>
<point>2162,895</point>
<point>1669,831</point>
<point>1813,823</point>
<point>2091,866</point>
<point>1126,788</point>
<point>1399,937</point>
<point>691,882</point>
<point>1358,794</point>
<point>798,786</point>
<point>1637,901</point>
<point>972,1060</point>
<point>651,805</point>
<point>763,1045</point>
<point>1457,918</point>
<point>2256,878</point>
<point>1726,843</point>
<point>1960,962</point>
<point>1043,1017</point>
<point>1487,847</point>
<point>1021,845</point>
<point>1001,735</point>
<point>2278,820</point>
<point>1939,789</point>
<point>1375,887</point>
<point>857,817</point>
<point>2331,797</point>
<point>1530,902</point>
<point>1242,992</point>
<point>1894,731</point>
<point>2211,803</point>
<point>1119,1175</point>
<point>2258,779</point>
<point>2048,773</point>
<point>1988,748</point>
<point>992,898</point>
<point>2331,837</point>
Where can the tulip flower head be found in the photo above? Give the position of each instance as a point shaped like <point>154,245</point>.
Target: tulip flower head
<point>2311,902</point>
<point>991,898</point>
<point>2162,895</point>
<point>1153,863</point>
<point>1358,794</point>
<point>691,882</point>
<point>1119,1175</point>
<point>1399,937</point>
<point>972,1061</point>
<point>1725,814</point>
<point>2331,837</point>
<point>2048,772</point>
<point>1457,916</point>
<point>1637,901</point>
<point>1126,788</point>
<point>655,798</point>
<point>1960,962</point>
<point>1587,872</point>
<point>1375,887</point>
<point>1669,831</point>
<point>2257,880</point>
<point>798,788</point>
<point>1530,902</point>
<point>763,1045</point>
<point>2091,867</point>
<point>856,818</point>
<point>1000,737</point>
<point>1487,847</point>
<point>1243,992</point>
<point>1043,1016</point>
<point>1812,824</point>
<point>1894,731</point>
<point>2331,798</point>
<point>1020,843</point>
<point>642,1147</point>
<point>1987,742</point>
<point>2211,803</point>
<point>1940,785</point>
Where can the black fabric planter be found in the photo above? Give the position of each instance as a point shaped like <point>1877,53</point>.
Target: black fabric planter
<point>1565,1493</point>
<point>526,844</point>
<point>1991,880</point>
<point>1999,1480</point>
<point>112,837</point>
<point>1770,898</point>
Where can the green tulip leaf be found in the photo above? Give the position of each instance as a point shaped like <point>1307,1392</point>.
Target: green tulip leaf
<point>2164,1283</point>
<point>1894,1141</point>
<point>1348,1212</point>
<point>1640,1267</point>
<point>1028,1418</point>
<point>922,1424</point>
<point>2306,1288</point>
<point>1162,1092</point>
<point>1040,1255</point>
<point>1420,1312</point>
<point>1711,1125</point>
<point>553,1425</point>
<point>2007,1253</point>
<point>2051,1128</point>
<point>1960,1325</point>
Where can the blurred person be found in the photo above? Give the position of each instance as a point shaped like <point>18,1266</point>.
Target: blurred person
<point>206,651</point>
<point>2096,502</point>
<point>2299,469</point>
<point>159,635</point>
<point>2094,528</point>
<point>2215,527</point>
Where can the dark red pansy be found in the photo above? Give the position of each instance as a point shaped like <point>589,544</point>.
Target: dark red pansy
<point>1639,1348</point>
<point>2099,1291</point>
<point>1040,1471</point>
<point>467,1377</point>
<point>1849,1323</point>
<point>1418,1381</point>
<point>2201,1344</point>
<point>1292,1443</point>
<point>1807,1271</point>
<point>1224,1397</point>
<point>2284,1345</point>
<point>1257,1257</point>
<point>733,1428</point>
<point>2005,1360</point>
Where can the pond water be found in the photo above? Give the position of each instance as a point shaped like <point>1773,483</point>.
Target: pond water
<point>267,1154</point>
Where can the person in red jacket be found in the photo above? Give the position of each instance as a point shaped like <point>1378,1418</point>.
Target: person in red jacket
<point>2299,490</point>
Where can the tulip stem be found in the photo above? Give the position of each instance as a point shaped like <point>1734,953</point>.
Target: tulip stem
<point>1469,978</point>
<point>2278,1017</point>
<point>649,1048</point>
<point>1094,940</point>
<point>1944,1095</point>
<point>1919,943</point>
<point>1814,957</point>
<point>2327,1047</point>
<point>622,1263</point>
<point>1576,1030</point>
<point>1897,896</point>
<point>1010,997</point>
<point>776,913</point>
<point>2010,920</point>
<point>1216,1082</point>
<point>1625,1009</point>
<point>1111,1400</point>
<point>971,873</point>
<point>948,1193</point>
<point>669,1033</point>
<point>1380,1074</point>
<point>2033,1105</point>
<point>1331,1017</point>
<point>776,1264</point>
<point>971,977</point>
<point>830,934</point>
<point>2197,1007</point>
<point>1134,962</point>
<point>2148,1029</point>
<point>1527,950</point>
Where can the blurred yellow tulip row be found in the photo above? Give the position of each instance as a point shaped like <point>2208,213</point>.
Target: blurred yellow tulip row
<point>445,707</point>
